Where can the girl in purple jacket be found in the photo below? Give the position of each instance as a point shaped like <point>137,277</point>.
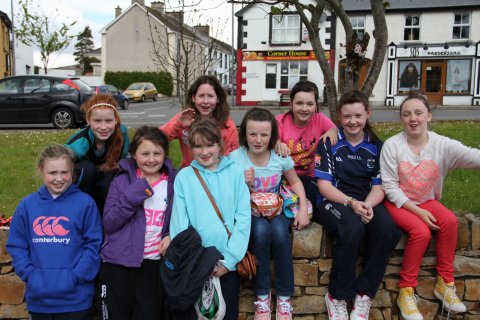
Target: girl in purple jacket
<point>136,221</point>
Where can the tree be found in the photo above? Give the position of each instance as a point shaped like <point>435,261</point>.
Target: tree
<point>355,48</point>
<point>41,31</point>
<point>187,52</point>
<point>83,46</point>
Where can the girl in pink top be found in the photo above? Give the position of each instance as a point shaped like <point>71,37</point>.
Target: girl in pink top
<point>413,166</point>
<point>300,129</point>
<point>206,99</point>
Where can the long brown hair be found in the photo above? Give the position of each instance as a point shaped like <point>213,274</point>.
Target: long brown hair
<point>222,111</point>
<point>115,142</point>
<point>355,96</point>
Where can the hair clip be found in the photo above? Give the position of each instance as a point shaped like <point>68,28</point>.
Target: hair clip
<point>102,104</point>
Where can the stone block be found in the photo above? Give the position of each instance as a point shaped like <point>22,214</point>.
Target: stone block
<point>305,274</point>
<point>4,256</point>
<point>18,311</point>
<point>387,313</point>
<point>318,291</point>
<point>429,261</point>
<point>304,317</point>
<point>466,265</point>
<point>308,304</point>
<point>324,264</point>
<point>375,314</point>
<point>463,237</point>
<point>425,287</point>
<point>6,269</point>
<point>475,233</point>
<point>327,245</point>
<point>397,261</point>
<point>325,278</point>
<point>12,289</point>
<point>307,242</point>
<point>427,309</point>
<point>391,284</point>
<point>472,289</point>
<point>401,244</point>
<point>392,270</point>
<point>382,299</point>
<point>246,304</point>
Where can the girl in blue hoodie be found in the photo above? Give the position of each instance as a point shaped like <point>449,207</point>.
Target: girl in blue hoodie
<point>192,207</point>
<point>136,221</point>
<point>54,242</point>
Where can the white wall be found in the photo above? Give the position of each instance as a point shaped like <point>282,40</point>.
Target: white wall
<point>23,59</point>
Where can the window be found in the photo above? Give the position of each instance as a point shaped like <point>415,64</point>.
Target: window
<point>292,72</point>
<point>286,29</point>
<point>358,25</point>
<point>221,61</point>
<point>458,76</point>
<point>412,27</point>
<point>271,76</point>
<point>461,26</point>
<point>36,85</point>
<point>225,62</point>
<point>409,76</point>
<point>9,86</point>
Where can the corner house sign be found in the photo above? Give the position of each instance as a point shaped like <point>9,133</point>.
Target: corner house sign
<point>435,52</point>
<point>281,55</point>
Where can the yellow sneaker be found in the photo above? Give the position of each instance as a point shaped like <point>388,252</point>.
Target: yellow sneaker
<point>407,302</point>
<point>446,293</point>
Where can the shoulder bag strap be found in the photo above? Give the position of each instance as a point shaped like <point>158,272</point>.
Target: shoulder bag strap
<point>210,197</point>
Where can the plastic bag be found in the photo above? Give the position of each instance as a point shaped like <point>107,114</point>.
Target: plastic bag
<point>211,304</point>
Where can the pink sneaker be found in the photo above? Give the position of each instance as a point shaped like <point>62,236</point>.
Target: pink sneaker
<point>337,309</point>
<point>262,309</point>
<point>284,310</point>
<point>361,309</point>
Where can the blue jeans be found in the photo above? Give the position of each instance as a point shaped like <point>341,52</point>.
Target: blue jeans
<point>275,236</point>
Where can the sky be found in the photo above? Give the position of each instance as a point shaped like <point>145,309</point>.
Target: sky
<point>98,13</point>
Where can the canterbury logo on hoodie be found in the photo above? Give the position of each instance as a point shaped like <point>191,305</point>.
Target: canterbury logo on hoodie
<point>50,229</point>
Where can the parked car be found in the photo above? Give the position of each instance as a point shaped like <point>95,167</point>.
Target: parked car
<point>43,99</point>
<point>140,91</point>
<point>122,100</point>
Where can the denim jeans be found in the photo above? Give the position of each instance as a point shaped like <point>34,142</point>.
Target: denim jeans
<point>275,236</point>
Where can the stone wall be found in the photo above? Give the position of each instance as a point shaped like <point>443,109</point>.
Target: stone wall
<point>312,263</point>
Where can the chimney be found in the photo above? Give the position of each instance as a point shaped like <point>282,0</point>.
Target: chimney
<point>140,2</point>
<point>118,11</point>
<point>158,5</point>
<point>203,29</point>
<point>176,15</point>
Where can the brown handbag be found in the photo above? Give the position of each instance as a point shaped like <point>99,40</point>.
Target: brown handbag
<point>247,267</point>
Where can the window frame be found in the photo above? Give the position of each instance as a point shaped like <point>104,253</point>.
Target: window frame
<point>411,27</point>
<point>355,26</point>
<point>461,25</point>
<point>286,16</point>
<point>298,76</point>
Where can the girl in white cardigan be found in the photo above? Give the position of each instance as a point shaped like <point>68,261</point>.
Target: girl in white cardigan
<point>413,166</point>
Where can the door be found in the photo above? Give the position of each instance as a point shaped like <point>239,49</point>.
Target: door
<point>10,101</point>
<point>36,100</point>
<point>433,80</point>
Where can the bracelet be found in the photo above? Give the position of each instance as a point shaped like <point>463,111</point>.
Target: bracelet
<point>348,202</point>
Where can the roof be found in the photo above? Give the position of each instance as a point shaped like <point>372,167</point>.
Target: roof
<point>5,18</point>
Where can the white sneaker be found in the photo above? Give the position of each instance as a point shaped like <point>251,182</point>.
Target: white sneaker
<point>337,309</point>
<point>361,309</point>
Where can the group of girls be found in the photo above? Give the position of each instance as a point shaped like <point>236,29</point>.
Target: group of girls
<point>57,232</point>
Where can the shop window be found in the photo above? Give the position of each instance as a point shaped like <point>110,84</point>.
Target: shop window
<point>285,29</point>
<point>358,25</point>
<point>458,76</point>
<point>412,27</point>
<point>292,72</point>
<point>271,76</point>
<point>461,26</point>
<point>409,76</point>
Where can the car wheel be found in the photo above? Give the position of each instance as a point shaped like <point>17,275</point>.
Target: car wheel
<point>143,98</point>
<point>62,118</point>
<point>125,105</point>
<point>155,97</point>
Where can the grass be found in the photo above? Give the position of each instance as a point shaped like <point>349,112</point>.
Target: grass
<point>19,152</point>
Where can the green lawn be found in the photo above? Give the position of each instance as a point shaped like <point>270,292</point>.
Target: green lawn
<point>19,151</point>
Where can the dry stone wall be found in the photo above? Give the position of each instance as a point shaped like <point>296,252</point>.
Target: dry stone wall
<point>312,251</point>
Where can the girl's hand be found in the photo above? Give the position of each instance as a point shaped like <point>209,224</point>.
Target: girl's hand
<point>163,246</point>
<point>281,149</point>
<point>331,133</point>
<point>249,176</point>
<point>220,271</point>
<point>301,220</point>
<point>187,116</point>
<point>363,209</point>
<point>428,218</point>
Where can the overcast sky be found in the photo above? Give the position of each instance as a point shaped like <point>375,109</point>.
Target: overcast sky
<point>98,13</point>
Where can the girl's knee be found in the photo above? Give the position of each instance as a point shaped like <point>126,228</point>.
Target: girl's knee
<point>353,233</point>
<point>420,234</point>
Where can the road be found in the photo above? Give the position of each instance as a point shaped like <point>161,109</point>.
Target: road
<point>156,113</point>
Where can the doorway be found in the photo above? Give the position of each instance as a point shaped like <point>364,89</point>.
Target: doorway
<point>433,79</point>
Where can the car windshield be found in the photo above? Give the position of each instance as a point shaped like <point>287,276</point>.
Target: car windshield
<point>135,86</point>
<point>84,88</point>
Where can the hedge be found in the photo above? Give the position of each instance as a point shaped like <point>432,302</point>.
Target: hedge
<point>162,80</point>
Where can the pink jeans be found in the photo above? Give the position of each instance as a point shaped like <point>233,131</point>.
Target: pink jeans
<point>419,235</point>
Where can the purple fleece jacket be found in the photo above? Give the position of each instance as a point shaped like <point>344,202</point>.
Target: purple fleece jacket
<point>123,218</point>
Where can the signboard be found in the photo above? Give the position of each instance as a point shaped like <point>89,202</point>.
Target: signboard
<point>435,52</point>
<point>281,55</point>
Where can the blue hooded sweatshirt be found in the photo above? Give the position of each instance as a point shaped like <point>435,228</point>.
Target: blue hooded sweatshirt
<point>191,207</point>
<point>54,244</point>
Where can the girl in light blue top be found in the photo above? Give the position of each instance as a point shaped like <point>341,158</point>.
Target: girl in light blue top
<point>263,171</point>
<point>191,207</point>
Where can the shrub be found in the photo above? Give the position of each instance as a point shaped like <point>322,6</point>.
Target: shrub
<point>162,80</point>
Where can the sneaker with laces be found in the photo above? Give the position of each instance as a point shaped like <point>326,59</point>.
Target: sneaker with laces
<point>446,293</point>
<point>337,309</point>
<point>407,302</point>
<point>361,309</point>
<point>284,310</point>
<point>262,309</point>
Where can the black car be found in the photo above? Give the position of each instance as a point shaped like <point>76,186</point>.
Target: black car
<point>43,99</point>
<point>122,101</point>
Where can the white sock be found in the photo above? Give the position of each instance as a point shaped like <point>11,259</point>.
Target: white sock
<point>284,298</point>
<point>262,296</point>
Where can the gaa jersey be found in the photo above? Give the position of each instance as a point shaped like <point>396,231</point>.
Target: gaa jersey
<point>351,169</point>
